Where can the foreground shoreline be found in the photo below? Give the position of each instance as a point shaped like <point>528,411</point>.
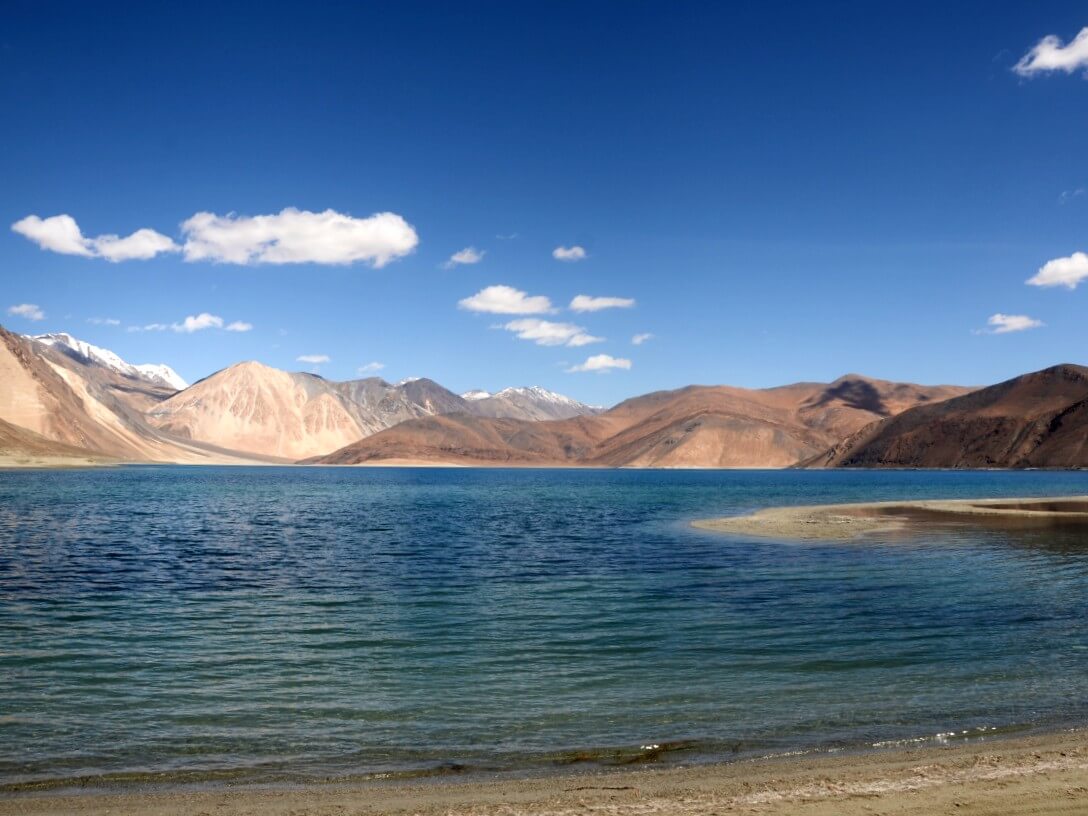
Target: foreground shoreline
<point>1041,774</point>
<point>837,522</point>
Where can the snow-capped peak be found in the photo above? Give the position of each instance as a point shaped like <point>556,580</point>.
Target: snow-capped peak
<point>472,396</point>
<point>539,394</point>
<point>156,373</point>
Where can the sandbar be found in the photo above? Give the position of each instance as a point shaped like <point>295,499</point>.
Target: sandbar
<point>847,521</point>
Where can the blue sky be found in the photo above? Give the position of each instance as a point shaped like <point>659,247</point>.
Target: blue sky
<point>787,191</point>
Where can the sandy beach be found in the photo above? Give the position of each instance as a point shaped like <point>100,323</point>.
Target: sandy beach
<point>1038,775</point>
<point>846,521</point>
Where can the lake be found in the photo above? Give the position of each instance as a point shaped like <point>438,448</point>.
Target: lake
<point>293,624</point>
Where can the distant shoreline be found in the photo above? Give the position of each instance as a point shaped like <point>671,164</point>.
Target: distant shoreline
<point>838,522</point>
<point>1042,774</point>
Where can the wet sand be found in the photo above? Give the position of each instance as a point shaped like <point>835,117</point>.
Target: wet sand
<point>846,521</point>
<point>1036,775</point>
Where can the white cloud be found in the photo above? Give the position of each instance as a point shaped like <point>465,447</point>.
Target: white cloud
<point>31,311</point>
<point>1049,54</point>
<point>370,367</point>
<point>239,326</point>
<point>298,236</point>
<point>585,303</point>
<point>602,364</point>
<point>104,321</point>
<point>1004,324</point>
<point>547,333</point>
<point>1067,272</point>
<point>195,323</point>
<point>140,246</point>
<point>506,300</point>
<point>314,359</point>
<point>574,253</point>
<point>1070,195</point>
<point>148,327</point>
<point>639,339</point>
<point>61,233</point>
<point>468,255</point>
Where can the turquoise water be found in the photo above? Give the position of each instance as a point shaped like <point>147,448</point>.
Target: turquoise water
<point>293,624</point>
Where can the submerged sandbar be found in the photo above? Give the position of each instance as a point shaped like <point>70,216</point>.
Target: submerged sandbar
<point>837,522</point>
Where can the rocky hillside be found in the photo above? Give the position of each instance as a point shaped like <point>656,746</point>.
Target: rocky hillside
<point>1036,420</point>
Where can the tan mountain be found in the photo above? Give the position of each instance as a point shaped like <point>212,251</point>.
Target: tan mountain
<point>529,402</point>
<point>1036,420</point>
<point>74,402</point>
<point>258,409</point>
<point>698,426</point>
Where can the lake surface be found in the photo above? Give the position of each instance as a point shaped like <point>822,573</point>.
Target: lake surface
<point>287,624</point>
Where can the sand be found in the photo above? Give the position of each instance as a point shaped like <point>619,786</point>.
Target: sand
<point>1027,775</point>
<point>846,521</point>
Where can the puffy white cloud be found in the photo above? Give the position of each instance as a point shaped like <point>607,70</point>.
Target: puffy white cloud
<point>1003,323</point>
<point>140,246</point>
<point>547,333</point>
<point>31,311</point>
<point>298,236</point>
<point>195,323</point>
<point>61,233</point>
<point>1067,272</point>
<point>58,233</point>
<point>468,255</point>
<point>639,339</point>
<point>239,326</point>
<point>369,368</point>
<point>506,300</point>
<point>104,321</point>
<point>585,303</point>
<point>574,253</point>
<point>1050,54</point>
<point>602,364</point>
<point>314,359</point>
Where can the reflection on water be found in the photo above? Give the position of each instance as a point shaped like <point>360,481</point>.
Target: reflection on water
<point>230,624</point>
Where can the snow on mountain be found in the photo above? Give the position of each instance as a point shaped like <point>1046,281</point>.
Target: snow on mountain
<point>156,373</point>
<point>527,402</point>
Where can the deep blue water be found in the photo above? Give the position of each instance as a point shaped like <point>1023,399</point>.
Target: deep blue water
<point>291,623</point>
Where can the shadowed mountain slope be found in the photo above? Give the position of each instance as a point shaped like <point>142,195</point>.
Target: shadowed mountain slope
<point>1035,420</point>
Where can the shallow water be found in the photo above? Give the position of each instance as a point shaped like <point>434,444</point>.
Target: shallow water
<point>290,623</point>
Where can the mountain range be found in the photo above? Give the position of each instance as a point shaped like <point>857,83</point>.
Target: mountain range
<point>62,399</point>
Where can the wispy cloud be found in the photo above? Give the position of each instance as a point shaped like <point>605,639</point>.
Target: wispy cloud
<point>1068,195</point>
<point>1050,54</point>
<point>313,359</point>
<point>506,300</point>
<point>585,303</point>
<point>547,333</point>
<point>370,368</point>
<point>239,326</point>
<point>601,364</point>
<point>288,237</point>
<point>200,322</point>
<point>104,321</point>
<point>639,339</point>
<point>31,311</point>
<point>1067,272</point>
<point>1005,324</point>
<point>468,255</point>
<point>573,253</point>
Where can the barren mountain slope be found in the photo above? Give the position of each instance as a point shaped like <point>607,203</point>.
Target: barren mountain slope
<point>52,394</point>
<point>698,426</point>
<point>1036,420</point>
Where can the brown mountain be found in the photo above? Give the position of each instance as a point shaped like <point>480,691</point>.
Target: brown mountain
<point>73,402</point>
<point>698,426</point>
<point>258,409</point>
<point>1036,420</point>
